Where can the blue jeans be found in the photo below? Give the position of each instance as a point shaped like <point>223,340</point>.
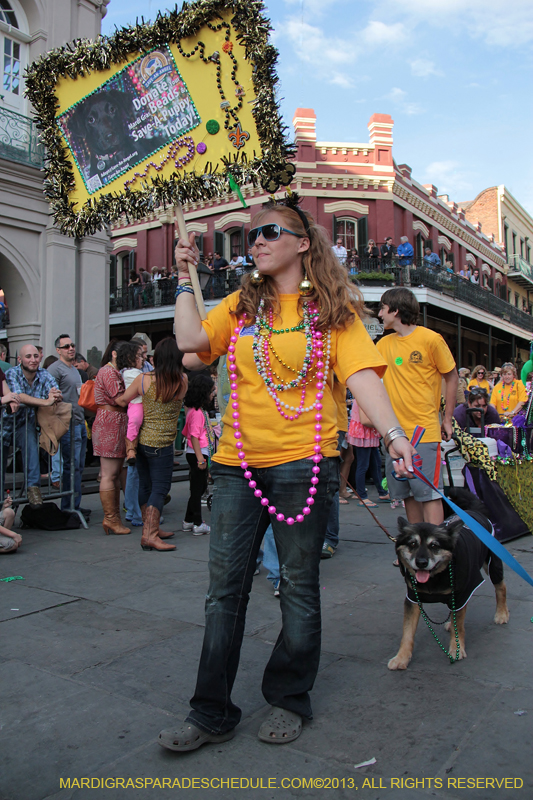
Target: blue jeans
<point>332,531</point>
<point>29,450</point>
<point>131,497</point>
<point>80,448</point>
<point>238,524</point>
<point>154,466</point>
<point>368,456</point>
<point>270,556</point>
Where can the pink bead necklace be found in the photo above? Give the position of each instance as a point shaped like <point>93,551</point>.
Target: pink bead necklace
<point>314,352</point>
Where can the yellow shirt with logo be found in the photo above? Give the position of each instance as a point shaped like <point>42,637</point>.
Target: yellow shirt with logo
<point>508,395</point>
<point>484,384</point>
<point>268,438</point>
<point>413,379</point>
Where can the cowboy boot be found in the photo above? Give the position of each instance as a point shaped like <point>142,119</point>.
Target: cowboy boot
<point>150,539</point>
<point>112,522</point>
<point>160,533</point>
<point>131,451</point>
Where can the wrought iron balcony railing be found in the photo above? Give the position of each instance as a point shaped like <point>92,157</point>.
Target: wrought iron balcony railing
<point>453,285</point>
<point>19,139</point>
<point>161,293</point>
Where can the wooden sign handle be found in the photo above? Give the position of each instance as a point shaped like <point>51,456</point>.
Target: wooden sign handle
<point>180,221</point>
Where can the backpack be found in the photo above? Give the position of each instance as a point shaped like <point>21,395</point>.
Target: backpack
<point>48,517</point>
<point>86,399</point>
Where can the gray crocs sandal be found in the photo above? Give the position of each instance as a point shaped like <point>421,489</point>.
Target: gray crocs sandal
<point>189,737</point>
<point>280,727</point>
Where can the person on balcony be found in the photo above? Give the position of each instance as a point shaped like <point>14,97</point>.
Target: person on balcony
<point>34,387</point>
<point>465,272</point>
<point>371,255</point>
<point>340,251</point>
<point>220,265</point>
<point>474,278</point>
<point>405,252</point>
<point>431,259</point>
<point>387,252</point>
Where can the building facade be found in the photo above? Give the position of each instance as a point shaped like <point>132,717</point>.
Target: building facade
<point>358,192</point>
<point>502,215</point>
<point>51,283</point>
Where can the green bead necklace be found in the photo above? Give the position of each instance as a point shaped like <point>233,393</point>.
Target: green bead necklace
<point>428,622</point>
<point>295,328</point>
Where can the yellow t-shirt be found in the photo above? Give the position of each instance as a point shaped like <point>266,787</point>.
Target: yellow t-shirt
<point>413,379</point>
<point>269,438</point>
<point>339,395</point>
<point>482,385</point>
<point>508,396</point>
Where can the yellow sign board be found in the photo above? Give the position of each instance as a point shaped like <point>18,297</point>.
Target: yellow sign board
<point>153,116</point>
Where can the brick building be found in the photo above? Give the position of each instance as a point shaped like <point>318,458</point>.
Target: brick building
<point>502,215</point>
<point>357,191</point>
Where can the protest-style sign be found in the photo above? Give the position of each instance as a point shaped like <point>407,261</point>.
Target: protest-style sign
<point>180,110</point>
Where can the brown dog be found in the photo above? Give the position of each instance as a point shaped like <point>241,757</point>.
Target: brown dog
<point>425,553</point>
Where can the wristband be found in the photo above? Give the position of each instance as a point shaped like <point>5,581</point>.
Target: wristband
<point>200,462</point>
<point>183,290</point>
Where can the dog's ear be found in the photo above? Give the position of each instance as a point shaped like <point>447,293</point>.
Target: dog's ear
<point>454,529</point>
<point>403,524</point>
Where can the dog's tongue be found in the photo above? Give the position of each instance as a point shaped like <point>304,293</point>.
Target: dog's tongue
<point>422,575</point>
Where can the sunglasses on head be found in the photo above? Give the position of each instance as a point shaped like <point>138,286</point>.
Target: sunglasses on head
<point>478,391</point>
<point>67,347</point>
<point>270,233</point>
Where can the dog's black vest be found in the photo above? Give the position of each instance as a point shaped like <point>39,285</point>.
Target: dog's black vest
<point>469,555</point>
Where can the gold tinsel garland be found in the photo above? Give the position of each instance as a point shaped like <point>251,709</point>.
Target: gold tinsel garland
<point>83,56</point>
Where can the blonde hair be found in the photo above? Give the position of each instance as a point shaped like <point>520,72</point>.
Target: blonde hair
<point>509,367</point>
<point>336,298</point>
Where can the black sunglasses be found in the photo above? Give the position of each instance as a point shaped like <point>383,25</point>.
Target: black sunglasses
<point>270,233</point>
<point>479,391</point>
<point>67,347</point>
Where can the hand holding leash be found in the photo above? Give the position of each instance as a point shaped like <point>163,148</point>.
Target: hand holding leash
<point>402,451</point>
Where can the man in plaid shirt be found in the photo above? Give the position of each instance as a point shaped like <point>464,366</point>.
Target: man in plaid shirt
<point>34,387</point>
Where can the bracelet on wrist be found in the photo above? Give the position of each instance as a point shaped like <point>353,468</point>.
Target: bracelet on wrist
<point>183,290</point>
<point>392,434</point>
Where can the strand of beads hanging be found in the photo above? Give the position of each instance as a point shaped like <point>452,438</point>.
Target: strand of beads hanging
<point>317,449</point>
<point>312,360</point>
<point>426,619</point>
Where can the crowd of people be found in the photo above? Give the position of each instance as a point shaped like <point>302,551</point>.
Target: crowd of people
<point>293,343</point>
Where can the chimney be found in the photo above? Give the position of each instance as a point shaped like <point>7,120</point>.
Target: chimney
<point>380,128</point>
<point>304,122</point>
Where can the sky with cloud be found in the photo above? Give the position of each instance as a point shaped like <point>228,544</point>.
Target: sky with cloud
<point>455,75</point>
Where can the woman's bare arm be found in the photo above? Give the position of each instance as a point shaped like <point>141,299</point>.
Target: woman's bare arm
<point>190,335</point>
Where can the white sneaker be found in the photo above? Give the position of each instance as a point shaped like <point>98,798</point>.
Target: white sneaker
<point>198,530</point>
<point>187,526</point>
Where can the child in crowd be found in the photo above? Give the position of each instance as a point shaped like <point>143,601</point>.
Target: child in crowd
<point>9,541</point>
<point>131,366</point>
<point>200,446</point>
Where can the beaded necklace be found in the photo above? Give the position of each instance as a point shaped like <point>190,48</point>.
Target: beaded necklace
<point>453,615</point>
<point>314,356</point>
<point>511,390</point>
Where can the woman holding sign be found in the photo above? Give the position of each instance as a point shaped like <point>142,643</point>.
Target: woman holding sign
<point>295,320</point>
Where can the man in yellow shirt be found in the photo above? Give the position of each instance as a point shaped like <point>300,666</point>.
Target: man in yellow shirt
<point>418,359</point>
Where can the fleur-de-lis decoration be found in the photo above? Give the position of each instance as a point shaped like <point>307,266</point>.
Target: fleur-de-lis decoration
<point>238,137</point>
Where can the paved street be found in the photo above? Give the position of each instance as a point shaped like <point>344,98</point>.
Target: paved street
<point>100,644</point>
